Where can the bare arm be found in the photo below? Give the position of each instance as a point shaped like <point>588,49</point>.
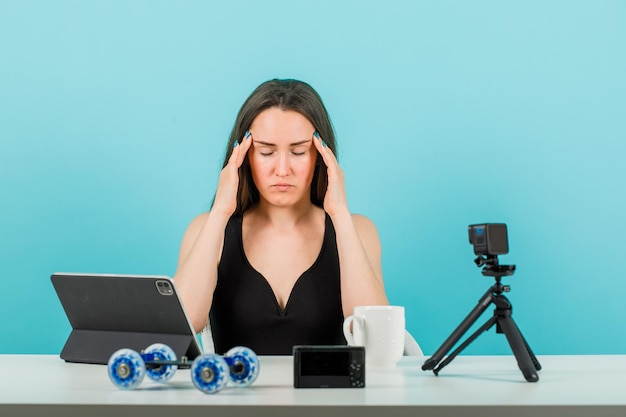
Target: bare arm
<point>201,248</point>
<point>196,275</point>
<point>358,243</point>
<point>360,263</point>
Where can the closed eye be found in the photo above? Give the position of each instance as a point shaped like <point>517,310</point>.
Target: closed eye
<point>300,150</point>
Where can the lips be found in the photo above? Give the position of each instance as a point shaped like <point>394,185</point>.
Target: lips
<point>282,186</point>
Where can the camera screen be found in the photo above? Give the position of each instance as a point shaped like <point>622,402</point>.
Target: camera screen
<point>324,363</point>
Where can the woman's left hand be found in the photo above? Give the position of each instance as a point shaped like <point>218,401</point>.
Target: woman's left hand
<point>335,201</point>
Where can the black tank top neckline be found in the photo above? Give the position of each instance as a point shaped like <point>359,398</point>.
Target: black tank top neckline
<point>245,311</point>
<point>279,310</point>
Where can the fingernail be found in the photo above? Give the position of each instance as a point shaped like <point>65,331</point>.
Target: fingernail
<point>236,144</point>
<point>247,134</point>
<point>323,144</point>
<point>317,135</point>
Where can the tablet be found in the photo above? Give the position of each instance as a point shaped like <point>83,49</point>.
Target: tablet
<point>111,312</point>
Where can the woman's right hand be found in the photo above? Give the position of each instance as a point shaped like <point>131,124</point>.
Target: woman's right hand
<point>226,194</point>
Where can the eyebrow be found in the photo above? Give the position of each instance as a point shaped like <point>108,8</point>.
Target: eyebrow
<point>302,142</point>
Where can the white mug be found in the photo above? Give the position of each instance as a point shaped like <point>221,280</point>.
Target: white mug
<point>380,329</point>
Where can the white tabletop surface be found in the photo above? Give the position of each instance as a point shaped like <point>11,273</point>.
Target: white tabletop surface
<point>470,385</point>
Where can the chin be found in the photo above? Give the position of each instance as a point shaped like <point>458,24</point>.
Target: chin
<point>283,200</point>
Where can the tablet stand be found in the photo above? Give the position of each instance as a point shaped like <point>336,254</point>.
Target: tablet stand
<point>526,359</point>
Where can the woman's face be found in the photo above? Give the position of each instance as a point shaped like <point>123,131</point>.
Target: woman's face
<point>282,156</point>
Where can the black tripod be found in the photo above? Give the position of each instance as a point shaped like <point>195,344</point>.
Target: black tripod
<point>526,360</point>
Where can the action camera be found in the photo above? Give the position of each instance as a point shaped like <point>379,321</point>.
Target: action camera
<point>489,239</point>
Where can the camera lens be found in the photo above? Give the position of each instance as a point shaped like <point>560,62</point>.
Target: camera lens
<point>164,287</point>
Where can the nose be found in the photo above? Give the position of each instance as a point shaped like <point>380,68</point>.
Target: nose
<point>282,165</point>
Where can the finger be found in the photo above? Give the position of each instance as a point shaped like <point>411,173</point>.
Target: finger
<point>327,154</point>
<point>317,141</point>
<point>241,150</point>
<point>234,153</point>
<point>245,144</point>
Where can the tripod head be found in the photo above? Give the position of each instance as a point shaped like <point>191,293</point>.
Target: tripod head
<point>493,268</point>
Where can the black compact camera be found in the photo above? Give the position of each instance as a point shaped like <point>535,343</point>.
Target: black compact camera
<point>328,366</point>
<point>489,239</point>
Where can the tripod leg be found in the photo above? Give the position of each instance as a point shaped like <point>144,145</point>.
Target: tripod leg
<point>532,356</point>
<point>520,348</point>
<point>465,344</point>
<point>483,303</point>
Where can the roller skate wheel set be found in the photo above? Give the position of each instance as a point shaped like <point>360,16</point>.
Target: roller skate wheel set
<point>210,373</point>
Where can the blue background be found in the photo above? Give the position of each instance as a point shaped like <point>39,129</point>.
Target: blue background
<point>114,116</point>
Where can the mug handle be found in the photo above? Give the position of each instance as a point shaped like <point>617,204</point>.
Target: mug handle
<point>355,321</point>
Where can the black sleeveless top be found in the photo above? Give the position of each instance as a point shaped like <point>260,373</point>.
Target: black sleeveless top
<point>245,311</point>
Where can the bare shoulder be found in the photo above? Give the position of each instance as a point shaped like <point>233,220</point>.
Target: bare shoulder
<point>192,232</point>
<point>368,234</point>
<point>196,224</point>
<point>365,227</point>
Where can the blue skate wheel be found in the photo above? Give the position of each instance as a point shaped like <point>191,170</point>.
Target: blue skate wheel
<point>160,352</point>
<point>126,369</point>
<point>209,373</point>
<point>244,365</point>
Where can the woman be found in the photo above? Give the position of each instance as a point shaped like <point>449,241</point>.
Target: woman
<point>263,265</point>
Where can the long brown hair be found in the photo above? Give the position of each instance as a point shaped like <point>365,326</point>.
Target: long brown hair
<point>286,95</point>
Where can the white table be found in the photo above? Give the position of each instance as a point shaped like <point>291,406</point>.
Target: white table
<point>470,386</point>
